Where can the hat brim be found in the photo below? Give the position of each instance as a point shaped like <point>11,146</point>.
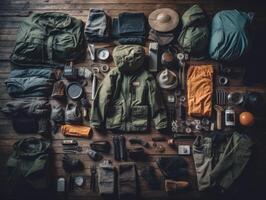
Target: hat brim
<point>164,27</point>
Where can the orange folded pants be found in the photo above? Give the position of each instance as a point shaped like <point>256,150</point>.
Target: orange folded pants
<point>199,90</point>
<point>76,130</point>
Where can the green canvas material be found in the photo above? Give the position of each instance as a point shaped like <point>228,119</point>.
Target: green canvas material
<point>29,163</point>
<point>128,98</point>
<point>48,39</point>
<point>220,165</point>
<point>194,37</point>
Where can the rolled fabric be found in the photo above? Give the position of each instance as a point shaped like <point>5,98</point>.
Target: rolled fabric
<point>76,130</point>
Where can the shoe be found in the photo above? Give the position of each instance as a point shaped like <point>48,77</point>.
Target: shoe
<point>174,167</point>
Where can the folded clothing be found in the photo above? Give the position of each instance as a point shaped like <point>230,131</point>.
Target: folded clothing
<point>28,115</point>
<point>130,28</point>
<point>57,117</point>
<point>127,181</point>
<point>76,130</point>
<point>174,167</point>
<point>31,82</point>
<point>161,37</point>
<point>98,26</point>
<point>199,90</point>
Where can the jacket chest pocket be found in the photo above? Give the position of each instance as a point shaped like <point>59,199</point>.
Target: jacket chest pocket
<point>64,46</point>
<point>139,116</point>
<point>114,117</point>
<point>140,91</point>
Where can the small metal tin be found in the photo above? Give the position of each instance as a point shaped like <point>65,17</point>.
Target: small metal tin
<point>74,90</point>
<point>223,81</point>
<point>235,98</point>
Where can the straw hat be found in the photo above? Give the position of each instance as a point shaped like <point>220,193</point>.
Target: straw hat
<point>164,19</point>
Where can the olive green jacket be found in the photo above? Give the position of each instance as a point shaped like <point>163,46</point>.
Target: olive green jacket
<point>48,39</point>
<point>128,103</point>
<point>29,163</point>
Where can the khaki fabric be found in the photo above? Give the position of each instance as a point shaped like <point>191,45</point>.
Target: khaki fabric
<point>199,90</point>
<point>75,130</point>
<point>220,159</point>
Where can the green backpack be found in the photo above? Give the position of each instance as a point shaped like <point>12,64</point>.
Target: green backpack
<point>194,37</point>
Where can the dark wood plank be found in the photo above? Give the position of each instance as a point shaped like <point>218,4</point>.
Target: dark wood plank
<point>12,12</point>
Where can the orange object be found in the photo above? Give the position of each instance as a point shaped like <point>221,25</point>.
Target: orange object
<point>246,119</point>
<point>172,186</point>
<point>76,130</point>
<point>199,90</point>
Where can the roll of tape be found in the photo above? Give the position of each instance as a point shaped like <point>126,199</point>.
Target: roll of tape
<point>105,68</point>
<point>188,130</point>
<point>223,80</point>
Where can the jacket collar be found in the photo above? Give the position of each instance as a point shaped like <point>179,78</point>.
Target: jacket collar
<point>55,20</point>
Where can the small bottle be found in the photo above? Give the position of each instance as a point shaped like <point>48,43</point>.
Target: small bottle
<point>230,117</point>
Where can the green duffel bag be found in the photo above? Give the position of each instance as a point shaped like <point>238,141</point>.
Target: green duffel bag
<point>195,34</point>
<point>49,39</point>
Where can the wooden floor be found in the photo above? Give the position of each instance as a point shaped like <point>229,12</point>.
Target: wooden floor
<point>12,12</point>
